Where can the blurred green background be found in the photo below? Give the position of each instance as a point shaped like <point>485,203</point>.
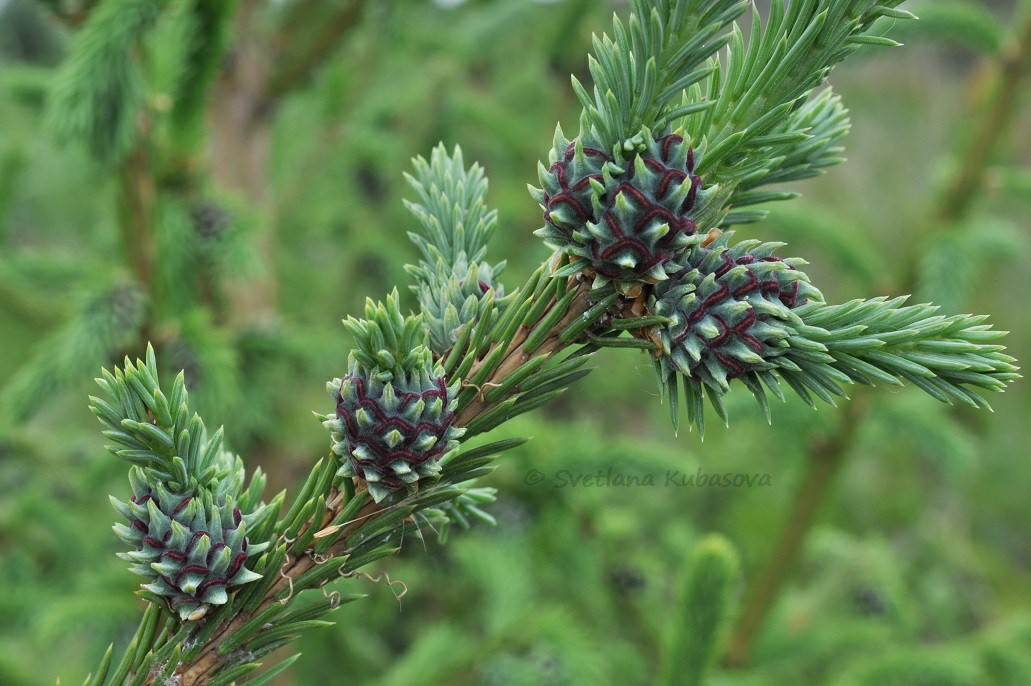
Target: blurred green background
<point>278,216</point>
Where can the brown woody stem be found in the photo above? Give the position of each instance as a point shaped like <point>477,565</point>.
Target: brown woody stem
<point>516,356</point>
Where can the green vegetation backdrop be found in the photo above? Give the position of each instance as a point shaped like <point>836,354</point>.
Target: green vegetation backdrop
<point>912,520</point>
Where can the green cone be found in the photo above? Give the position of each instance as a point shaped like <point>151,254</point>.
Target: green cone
<point>627,217</point>
<point>193,549</point>
<point>188,518</point>
<point>730,311</point>
<point>394,411</point>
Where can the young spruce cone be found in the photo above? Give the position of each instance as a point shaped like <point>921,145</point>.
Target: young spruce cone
<point>394,411</point>
<point>730,311</point>
<point>192,548</point>
<point>626,218</point>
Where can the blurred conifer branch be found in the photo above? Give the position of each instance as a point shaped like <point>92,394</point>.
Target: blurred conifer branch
<point>141,111</point>
<point>101,93</point>
<point>701,616</point>
<point>107,323</point>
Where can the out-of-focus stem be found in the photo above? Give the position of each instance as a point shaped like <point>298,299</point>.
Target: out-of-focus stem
<point>136,220</point>
<point>1001,108</point>
<point>240,115</point>
<point>825,460</point>
<point>297,71</point>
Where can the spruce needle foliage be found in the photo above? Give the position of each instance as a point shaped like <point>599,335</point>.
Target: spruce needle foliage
<point>771,75</point>
<point>810,142</point>
<point>451,207</point>
<point>702,613</point>
<point>106,324</point>
<point>641,71</point>
<point>101,91</point>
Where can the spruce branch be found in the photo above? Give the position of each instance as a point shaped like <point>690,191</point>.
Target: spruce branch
<point>1014,65</point>
<point>641,70</point>
<point>330,531</point>
<point>516,360</point>
<point>100,91</point>
<point>949,268</point>
<point>156,432</point>
<point>771,75</point>
<point>136,210</point>
<point>826,458</point>
<point>24,302</point>
<point>192,524</point>
<point>333,528</point>
<point>740,312</point>
<point>346,524</point>
<point>883,340</point>
<point>301,63</point>
<point>106,323</point>
<point>640,265</point>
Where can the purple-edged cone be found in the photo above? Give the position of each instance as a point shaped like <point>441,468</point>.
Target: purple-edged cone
<point>192,548</point>
<point>628,218</point>
<point>392,434</point>
<point>395,414</point>
<point>730,311</point>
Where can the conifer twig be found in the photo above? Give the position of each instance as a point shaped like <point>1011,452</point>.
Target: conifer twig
<point>640,263</point>
<point>209,661</point>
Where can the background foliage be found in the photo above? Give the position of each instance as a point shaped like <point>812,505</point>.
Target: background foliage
<point>917,569</point>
